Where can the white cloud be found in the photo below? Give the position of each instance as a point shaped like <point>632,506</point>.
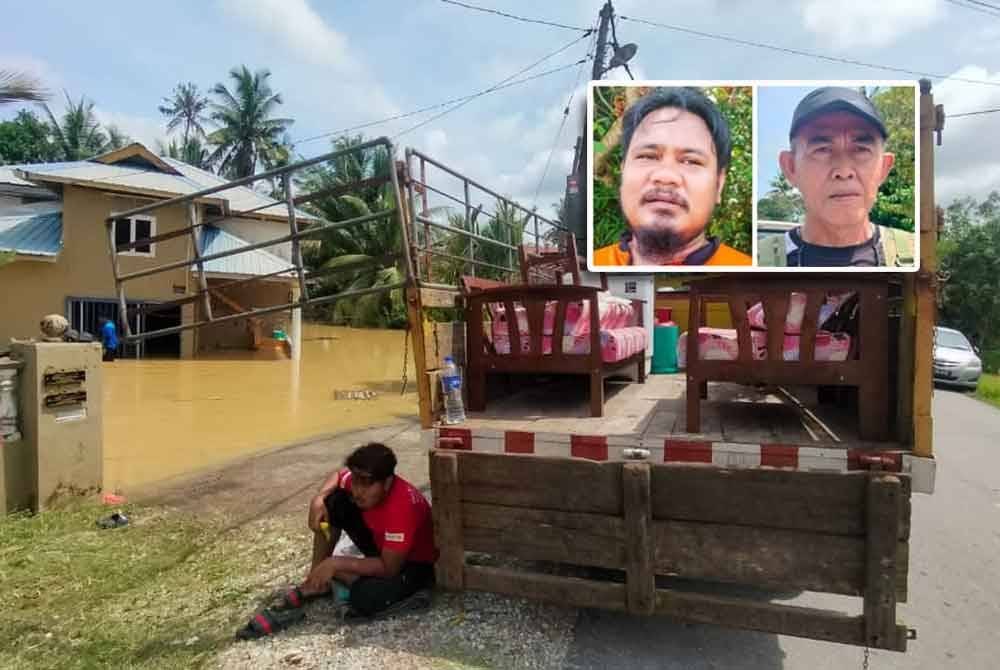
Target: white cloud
<point>968,160</point>
<point>304,33</point>
<point>848,24</point>
<point>142,129</point>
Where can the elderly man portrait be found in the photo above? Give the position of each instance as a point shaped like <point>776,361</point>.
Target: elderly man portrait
<point>837,159</point>
<point>676,150</point>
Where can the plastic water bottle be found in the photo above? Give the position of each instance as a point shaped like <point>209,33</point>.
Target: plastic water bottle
<point>451,385</point>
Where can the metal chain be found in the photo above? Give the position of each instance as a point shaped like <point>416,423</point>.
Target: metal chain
<point>864,663</point>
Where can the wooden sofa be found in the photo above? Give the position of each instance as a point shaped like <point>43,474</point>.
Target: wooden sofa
<point>867,364</point>
<point>483,297</point>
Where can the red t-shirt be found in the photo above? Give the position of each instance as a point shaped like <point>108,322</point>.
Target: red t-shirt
<point>402,522</point>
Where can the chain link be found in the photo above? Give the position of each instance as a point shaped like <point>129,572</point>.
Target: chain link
<point>864,663</point>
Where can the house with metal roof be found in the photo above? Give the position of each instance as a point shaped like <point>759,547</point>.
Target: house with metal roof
<point>54,251</point>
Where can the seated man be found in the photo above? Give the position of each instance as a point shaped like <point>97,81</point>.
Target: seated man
<point>389,521</point>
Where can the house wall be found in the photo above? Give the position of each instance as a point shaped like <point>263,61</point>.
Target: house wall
<point>254,230</point>
<point>234,334</point>
<point>33,289</point>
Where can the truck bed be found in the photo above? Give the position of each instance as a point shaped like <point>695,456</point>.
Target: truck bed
<point>650,413</point>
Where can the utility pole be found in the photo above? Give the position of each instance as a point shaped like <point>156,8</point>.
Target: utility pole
<point>597,71</point>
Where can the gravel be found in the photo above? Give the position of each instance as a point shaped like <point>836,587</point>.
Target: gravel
<point>460,630</point>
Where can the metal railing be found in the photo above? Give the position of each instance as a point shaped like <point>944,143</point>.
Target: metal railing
<point>433,238</point>
<point>290,176</point>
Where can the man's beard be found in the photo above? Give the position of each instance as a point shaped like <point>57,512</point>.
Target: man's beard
<point>658,243</point>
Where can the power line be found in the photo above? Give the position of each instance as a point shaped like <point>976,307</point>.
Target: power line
<point>525,19</point>
<point>991,11</point>
<point>982,111</point>
<point>562,124</point>
<point>438,105</point>
<point>809,54</point>
<point>498,85</point>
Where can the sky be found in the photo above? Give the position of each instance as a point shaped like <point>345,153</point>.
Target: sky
<point>339,64</point>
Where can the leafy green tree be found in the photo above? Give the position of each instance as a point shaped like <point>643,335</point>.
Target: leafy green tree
<point>782,203</point>
<point>969,251</point>
<point>186,107</point>
<point>731,220</point>
<point>117,138</point>
<point>894,206</point>
<point>20,87</point>
<point>79,134</point>
<point>248,135</point>
<point>26,139</point>
<point>193,152</point>
<point>360,256</point>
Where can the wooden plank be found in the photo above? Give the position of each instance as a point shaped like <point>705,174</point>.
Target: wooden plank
<point>574,485</point>
<point>906,353</point>
<point>438,297</point>
<point>902,571</point>
<point>767,617</point>
<point>538,542</point>
<point>640,580</point>
<point>447,515</point>
<point>443,339</point>
<point>873,391</point>
<point>501,518</point>
<point>415,314</point>
<point>880,569</point>
<point>814,501</point>
<point>764,557</point>
<point>571,591</point>
<point>807,336</point>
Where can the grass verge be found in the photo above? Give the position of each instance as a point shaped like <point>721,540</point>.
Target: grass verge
<point>989,389</point>
<point>167,591</point>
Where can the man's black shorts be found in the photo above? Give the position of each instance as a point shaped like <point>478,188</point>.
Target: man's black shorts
<point>370,595</point>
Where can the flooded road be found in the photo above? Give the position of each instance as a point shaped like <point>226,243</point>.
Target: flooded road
<point>168,417</point>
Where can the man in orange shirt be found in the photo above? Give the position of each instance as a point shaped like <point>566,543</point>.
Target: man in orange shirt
<point>676,149</point>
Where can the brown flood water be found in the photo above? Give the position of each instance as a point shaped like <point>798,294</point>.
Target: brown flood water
<point>169,417</point>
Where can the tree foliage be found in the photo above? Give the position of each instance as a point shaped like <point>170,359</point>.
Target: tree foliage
<point>894,206</point>
<point>186,107</point>
<point>20,87</point>
<point>26,139</point>
<point>78,134</point>
<point>248,134</point>
<point>782,203</point>
<point>731,221</point>
<point>969,252</point>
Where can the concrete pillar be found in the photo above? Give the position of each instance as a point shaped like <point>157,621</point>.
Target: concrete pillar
<point>295,332</point>
<point>61,450</point>
<point>188,337</point>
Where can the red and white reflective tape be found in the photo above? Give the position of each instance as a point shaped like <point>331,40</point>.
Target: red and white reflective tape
<point>672,450</point>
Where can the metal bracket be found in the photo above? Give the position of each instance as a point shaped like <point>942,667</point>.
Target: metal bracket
<point>911,633</point>
<point>875,462</point>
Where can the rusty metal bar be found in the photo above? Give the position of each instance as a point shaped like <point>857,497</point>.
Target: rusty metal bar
<point>537,248</point>
<point>468,226</point>
<point>469,260</point>
<point>294,229</point>
<point>459,231</point>
<point>412,279</point>
<point>260,245</point>
<point>411,205</point>
<point>192,217</point>
<point>277,172</point>
<point>496,195</point>
<point>267,310</point>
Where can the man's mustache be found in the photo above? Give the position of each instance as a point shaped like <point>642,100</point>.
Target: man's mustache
<point>670,195</point>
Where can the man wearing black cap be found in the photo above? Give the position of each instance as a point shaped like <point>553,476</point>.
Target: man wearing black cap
<point>837,160</point>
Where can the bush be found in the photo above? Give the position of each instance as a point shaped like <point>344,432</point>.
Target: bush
<point>731,221</point>
<point>991,361</point>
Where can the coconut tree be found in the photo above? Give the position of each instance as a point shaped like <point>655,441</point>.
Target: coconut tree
<point>248,133</point>
<point>361,256</point>
<point>186,107</point>
<point>79,135</point>
<point>193,152</point>
<point>20,87</point>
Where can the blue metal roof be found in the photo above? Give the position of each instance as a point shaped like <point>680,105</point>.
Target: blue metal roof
<point>257,262</point>
<point>31,231</point>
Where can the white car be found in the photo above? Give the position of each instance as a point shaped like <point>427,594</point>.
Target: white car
<point>955,359</point>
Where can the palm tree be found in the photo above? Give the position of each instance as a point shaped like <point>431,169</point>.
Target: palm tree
<point>193,152</point>
<point>359,256</point>
<point>248,134</point>
<point>116,138</point>
<point>19,87</point>
<point>79,135</point>
<point>187,107</point>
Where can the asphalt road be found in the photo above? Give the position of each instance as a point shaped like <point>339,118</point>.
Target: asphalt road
<point>954,590</point>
